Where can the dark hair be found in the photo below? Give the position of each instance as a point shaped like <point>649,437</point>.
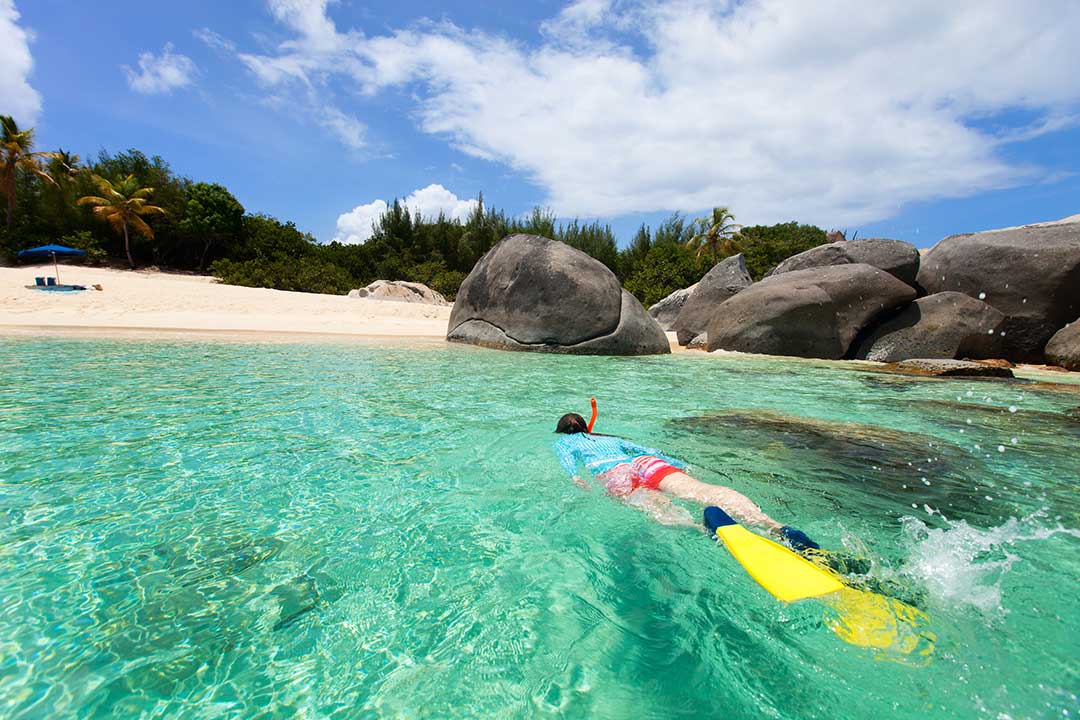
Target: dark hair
<point>571,423</point>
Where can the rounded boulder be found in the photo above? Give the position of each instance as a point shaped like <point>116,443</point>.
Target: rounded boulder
<point>536,294</point>
<point>1030,273</point>
<point>1064,347</point>
<point>896,257</point>
<point>946,325</point>
<point>814,313</point>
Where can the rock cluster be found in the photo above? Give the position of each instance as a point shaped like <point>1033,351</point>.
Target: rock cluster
<point>1031,274</point>
<point>815,313</point>
<point>1007,294</point>
<point>399,291</point>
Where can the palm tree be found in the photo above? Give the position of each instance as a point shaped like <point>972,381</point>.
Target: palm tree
<point>15,155</point>
<point>65,163</point>
<point>717,234</point>
<point>123,204</point>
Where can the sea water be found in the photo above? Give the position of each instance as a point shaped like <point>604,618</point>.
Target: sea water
<point>338,530</point>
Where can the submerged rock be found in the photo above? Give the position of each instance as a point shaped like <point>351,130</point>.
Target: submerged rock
<point>1064,347</point>
<point>945,325</point>
<point>814,313</point>
<point>727,278</point>
<point>535,294</point>
<point>1031,274</point>
<point>895,468</point>
<point>896,257</point>
<point>667,310</point>
<point>952,368</point>
<point>293,599</point>
<point>400,291</point>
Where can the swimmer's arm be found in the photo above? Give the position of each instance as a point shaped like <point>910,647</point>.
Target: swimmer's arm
<point>568,461</point>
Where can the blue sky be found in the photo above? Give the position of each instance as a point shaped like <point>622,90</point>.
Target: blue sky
<point>910,119</point>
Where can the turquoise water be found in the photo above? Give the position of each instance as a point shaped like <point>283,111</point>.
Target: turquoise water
<point>205,529</point>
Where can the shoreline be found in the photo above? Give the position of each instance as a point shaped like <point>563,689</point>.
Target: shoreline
<point>153,305</point>
<point>146,302</point>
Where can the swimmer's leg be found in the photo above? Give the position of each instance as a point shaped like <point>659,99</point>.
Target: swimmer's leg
<point>731,501</point>
<point>660,508</point>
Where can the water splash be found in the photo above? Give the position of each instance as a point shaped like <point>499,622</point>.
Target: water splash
<point>962,565</point>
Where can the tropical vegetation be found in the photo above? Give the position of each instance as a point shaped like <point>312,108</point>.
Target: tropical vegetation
<point>132,208</point>
<point>123,205</point>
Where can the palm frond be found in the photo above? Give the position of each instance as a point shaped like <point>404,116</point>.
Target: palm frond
<point>141,227</point>
<point>150,210</point>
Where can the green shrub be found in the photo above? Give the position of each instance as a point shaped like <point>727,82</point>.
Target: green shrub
<point>299,275</point>
<point>665,269</point>
<point>766,246</point>
<point>86,241</point>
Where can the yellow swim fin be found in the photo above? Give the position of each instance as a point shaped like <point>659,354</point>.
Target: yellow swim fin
<point>785,574</point>
<point>896,630</point>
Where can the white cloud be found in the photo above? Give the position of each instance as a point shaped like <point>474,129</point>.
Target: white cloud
<point>214,40</point>
<point>574,21</point>
<point>161,73</point>
<point>20,100</point>
<point>356,226</point>
<point>345,128</point>
<point>434,199</point>
<point>835,112</point>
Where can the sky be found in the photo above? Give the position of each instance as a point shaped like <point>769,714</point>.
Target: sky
<point>911,119</point>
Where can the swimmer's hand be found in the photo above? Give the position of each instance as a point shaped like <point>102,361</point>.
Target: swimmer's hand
<point>581,483</point>
<point>797,539</point>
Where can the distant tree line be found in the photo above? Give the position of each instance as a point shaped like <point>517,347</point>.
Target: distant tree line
<point>133,209</point>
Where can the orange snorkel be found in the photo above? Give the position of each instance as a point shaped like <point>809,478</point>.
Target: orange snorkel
<point>592,420</point>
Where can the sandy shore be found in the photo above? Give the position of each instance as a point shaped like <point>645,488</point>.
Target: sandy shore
<point>155,301</point>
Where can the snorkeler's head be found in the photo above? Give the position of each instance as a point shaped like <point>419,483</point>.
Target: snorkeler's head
<point>571,423</point>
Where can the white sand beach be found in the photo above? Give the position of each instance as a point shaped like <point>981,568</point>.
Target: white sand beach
<point>156,301</point>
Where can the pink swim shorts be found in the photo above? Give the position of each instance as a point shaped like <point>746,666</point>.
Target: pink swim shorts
<point>645,471</point>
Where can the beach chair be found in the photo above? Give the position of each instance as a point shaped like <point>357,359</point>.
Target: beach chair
<point>39,281</point>
<point>50,281</point>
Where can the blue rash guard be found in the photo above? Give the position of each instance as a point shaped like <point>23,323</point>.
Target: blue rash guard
<point>600,453</point>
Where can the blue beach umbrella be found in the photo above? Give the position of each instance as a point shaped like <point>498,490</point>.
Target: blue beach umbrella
<point>44,251</point>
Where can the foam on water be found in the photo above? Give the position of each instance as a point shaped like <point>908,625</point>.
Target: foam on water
<point>964,566</point>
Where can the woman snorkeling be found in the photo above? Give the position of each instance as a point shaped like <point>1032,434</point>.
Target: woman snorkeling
<point>645,477</point>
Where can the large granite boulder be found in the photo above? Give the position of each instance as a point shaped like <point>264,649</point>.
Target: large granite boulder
<point>400,291</point>
<point>1031,274</point>
<point>532,293</point>
<point>667,310</point>
<point>728,277</point>
<point>895,257</point>
<point>1064,347</point>
<point>945,325</point>
<point>807,313</point>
